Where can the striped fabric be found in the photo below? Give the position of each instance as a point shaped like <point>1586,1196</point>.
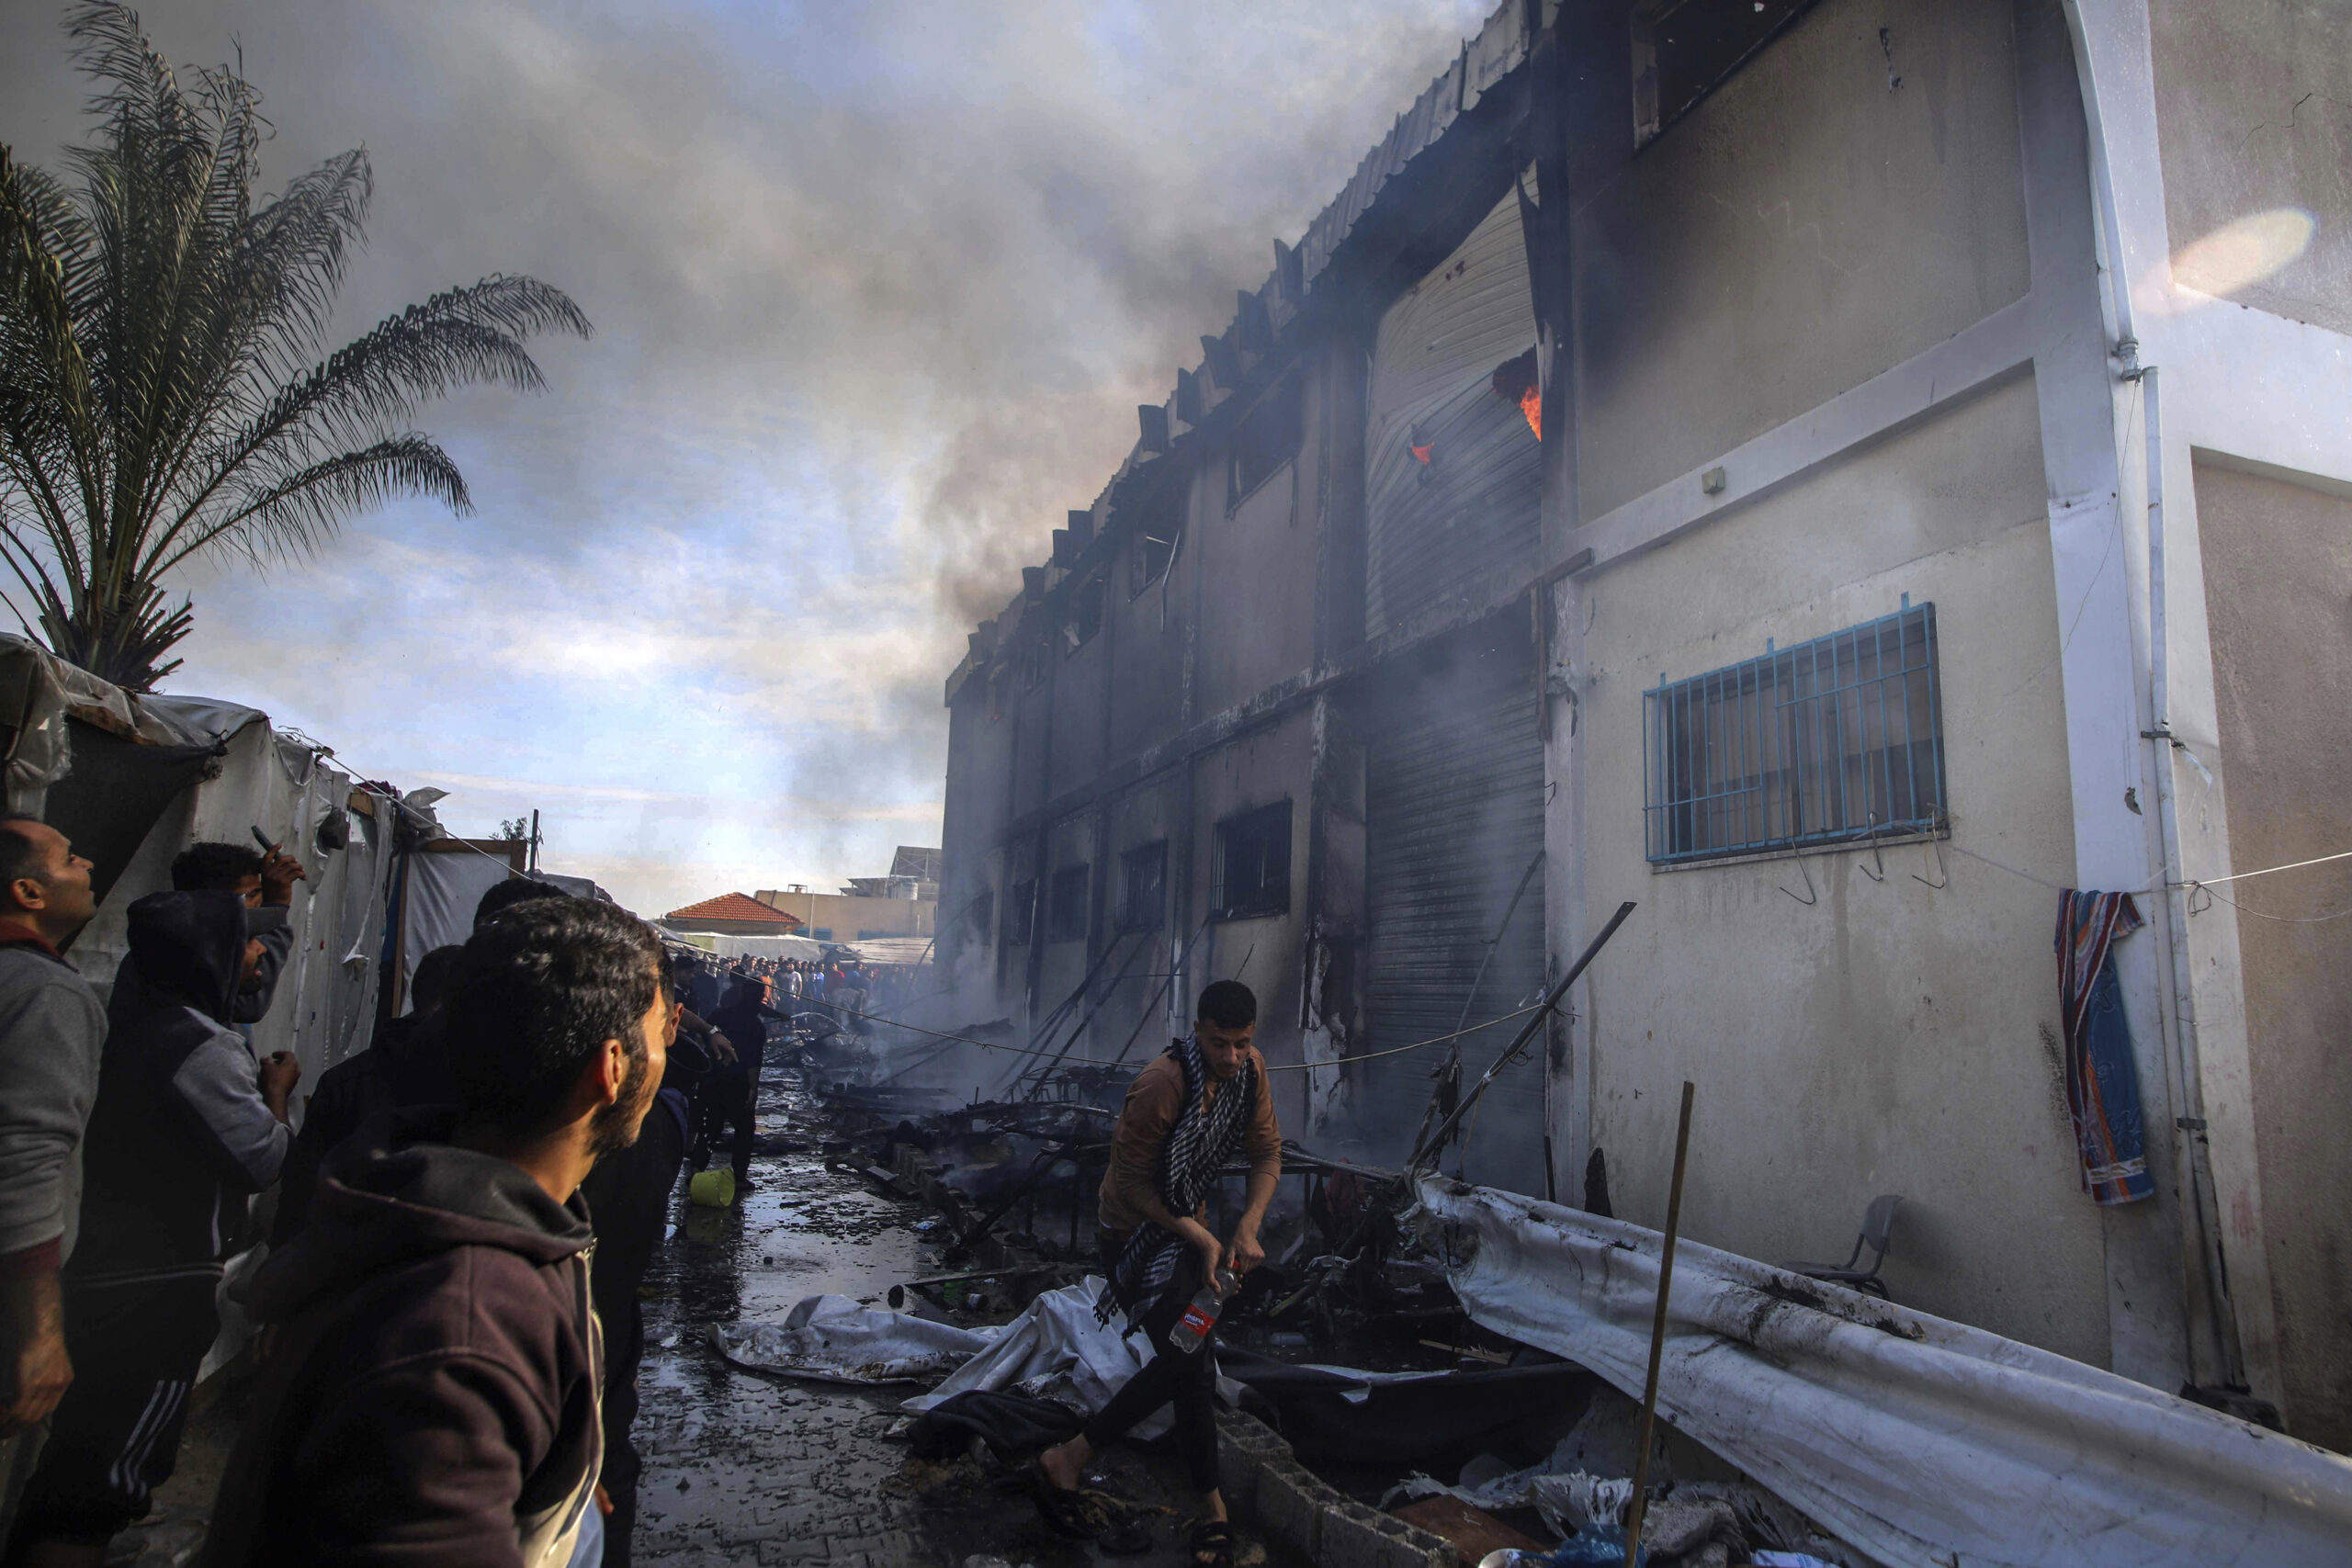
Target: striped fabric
<point>132,1474</point>
<point>2102,1084</point>
<point>1198,1144</point>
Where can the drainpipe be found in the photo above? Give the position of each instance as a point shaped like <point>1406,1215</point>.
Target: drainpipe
<point>2223,1356</point>
<point>2191,1144</point>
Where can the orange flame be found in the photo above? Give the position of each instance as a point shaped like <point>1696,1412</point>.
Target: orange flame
<point>1531,404</point>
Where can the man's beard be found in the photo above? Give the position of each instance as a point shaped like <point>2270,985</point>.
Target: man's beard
<point>615,1126</point>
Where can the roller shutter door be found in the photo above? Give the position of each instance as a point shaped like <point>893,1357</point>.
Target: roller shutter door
<point>1453,813</point>
<point>1453,477</point>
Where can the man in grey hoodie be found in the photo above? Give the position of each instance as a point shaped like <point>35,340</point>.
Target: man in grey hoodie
<point>50,1030</point>
<point>433,1397</point>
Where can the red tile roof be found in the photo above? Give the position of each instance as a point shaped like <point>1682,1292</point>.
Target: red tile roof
<point>733,907</point>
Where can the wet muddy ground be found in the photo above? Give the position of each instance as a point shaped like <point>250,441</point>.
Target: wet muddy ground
<point>746,1467</point>
<point>755,1469</point>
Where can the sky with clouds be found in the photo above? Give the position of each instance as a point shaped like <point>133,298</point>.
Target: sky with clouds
<point>876,288</point>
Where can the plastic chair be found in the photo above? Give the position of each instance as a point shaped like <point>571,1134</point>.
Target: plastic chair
<point>1878,1221</point>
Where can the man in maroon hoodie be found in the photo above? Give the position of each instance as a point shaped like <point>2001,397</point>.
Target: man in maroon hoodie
<point>433,1394</point>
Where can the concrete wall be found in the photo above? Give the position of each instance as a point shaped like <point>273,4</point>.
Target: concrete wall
<point>1131,1000</point>
<point>1804,228</point>
<point>1889,1037</point>
<point>1062,963</point>
<point>2278,561</point>
<point>1152,632</point>
<point>1258,619</point>
<point>1082,682</point>
<point>845,917</point>
<point>2253,99</point>
<point>1255,769</point>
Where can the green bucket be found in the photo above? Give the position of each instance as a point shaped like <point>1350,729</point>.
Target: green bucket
<point>712,1189</point>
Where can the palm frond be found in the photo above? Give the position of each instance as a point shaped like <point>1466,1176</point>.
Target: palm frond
<point>299,512</point>
<point>165,384</point>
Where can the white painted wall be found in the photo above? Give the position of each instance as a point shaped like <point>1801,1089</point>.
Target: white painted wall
<point>1890,1037</point>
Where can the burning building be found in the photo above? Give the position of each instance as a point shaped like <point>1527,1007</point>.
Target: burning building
<point>1837,475</point>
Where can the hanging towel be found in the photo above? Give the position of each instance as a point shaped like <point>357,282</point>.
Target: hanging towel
<point>2102,1085</point>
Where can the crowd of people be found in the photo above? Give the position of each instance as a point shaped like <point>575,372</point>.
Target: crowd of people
<point>449,1322</point>
<point>443,1375</point>
<point>849,994</point>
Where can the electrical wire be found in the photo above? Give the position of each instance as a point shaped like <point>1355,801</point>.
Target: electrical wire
<point>1272,1067</point>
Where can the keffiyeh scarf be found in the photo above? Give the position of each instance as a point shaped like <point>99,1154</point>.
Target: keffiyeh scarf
<point>1198,1144</point>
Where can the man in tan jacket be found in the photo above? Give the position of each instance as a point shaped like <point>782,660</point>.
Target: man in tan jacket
<point>1192,1109</point>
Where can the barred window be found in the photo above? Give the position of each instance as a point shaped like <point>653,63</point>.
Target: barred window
<point>1833,741</point>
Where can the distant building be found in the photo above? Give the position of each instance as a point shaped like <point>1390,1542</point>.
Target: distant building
<point>904,903</point>
<point>733,914</point>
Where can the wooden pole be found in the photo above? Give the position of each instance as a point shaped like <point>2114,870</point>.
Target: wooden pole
<point>1657,1335</point>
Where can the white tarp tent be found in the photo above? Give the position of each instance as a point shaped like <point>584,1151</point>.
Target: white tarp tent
<point>1924,1442</point>
<point>443,882</point>
<point>285,785</point>
<point>727,947</point>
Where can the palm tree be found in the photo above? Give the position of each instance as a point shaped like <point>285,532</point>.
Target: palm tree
<point>164,387</point>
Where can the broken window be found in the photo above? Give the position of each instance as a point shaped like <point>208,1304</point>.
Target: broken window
<point>1020,914</point>
<point>1032,665</point>
<point>1083,616</point>
<point>1066,909</point>
<point>984,916</point>
<point>1266,438</point>
<point>1835,740</point>
<point>1684,49</point>
<point>1155,541</point>
<point>1520,383</point>
<point>1251,875</point>
<point>1143,887</point>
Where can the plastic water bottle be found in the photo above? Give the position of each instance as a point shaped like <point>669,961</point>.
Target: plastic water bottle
<point>1191,1331</point>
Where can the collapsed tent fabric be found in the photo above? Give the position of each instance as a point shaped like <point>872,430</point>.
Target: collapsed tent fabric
<point>833,1340</point>
<point>1400,1418</point>
<point>1054,1350</point>
<point>1922,1441</point>
<point>116,791</point>
<point>1007,1423</point>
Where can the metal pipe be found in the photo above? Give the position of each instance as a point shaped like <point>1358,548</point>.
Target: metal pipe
<point>2189,1142</point>
<point>1540,1018</point>
<point>2179,1019</point>
<point>1657,1335</point>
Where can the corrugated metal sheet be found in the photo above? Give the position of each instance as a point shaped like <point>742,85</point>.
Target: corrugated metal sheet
<point>1500,45</point>
<point>1453,479</point>
<point>1454,811</point>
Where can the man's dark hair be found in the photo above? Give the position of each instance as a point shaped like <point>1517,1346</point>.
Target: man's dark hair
<point>19,856</point>
<point>1228,1004</point>
<point>436,973</point>
<point>214,868</point>
<point>540,991</point>
<point>505,896</point>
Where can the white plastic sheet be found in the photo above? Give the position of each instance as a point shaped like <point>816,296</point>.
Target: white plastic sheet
<point>1922,1441</point>
<point>1056,1350</point>
<point>836,1340</point>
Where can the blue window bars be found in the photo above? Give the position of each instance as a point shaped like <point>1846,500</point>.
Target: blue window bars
<point>1835,741</point>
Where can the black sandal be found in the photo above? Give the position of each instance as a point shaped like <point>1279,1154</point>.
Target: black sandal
<point>1212,1544</point>
<point>1063,1508</point>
